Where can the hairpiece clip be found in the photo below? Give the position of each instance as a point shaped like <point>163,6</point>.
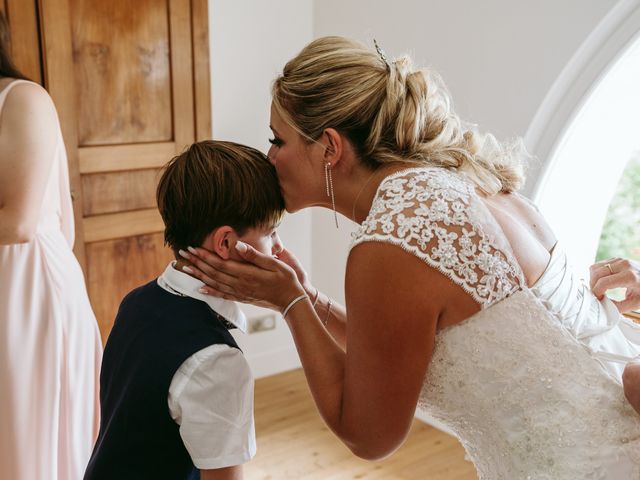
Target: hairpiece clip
<point>381,54</point>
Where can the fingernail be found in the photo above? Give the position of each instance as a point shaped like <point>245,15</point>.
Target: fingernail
<point>192,250</point>
<point>187,269</point>
<point>183,253</point>
<point>203,290</point>
<point>241,246</point>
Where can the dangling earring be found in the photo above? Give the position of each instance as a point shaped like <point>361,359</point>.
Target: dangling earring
<point>329,182</point>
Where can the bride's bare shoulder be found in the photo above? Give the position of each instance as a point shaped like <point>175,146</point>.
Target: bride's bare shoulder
<point>521,209</point>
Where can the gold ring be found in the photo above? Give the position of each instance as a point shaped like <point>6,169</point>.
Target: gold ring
<point>608,265</point>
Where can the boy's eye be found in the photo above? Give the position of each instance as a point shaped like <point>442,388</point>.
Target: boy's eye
<point>275,141</point>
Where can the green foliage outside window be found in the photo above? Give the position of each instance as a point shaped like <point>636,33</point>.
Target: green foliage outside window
<point>621,232</point>
<point>620,235</point>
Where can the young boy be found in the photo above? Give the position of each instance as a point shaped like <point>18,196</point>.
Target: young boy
<point>176,391</point>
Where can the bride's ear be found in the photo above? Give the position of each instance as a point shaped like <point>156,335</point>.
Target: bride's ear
<point>334,146</point>
<point>221,241</point>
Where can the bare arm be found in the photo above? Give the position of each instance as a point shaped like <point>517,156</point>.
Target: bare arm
<point>28,138</point>
<point>368,394</point>
<point>631,383</point>
<point>332,313</point>
<point>334,318</point>
<point>228,473</point>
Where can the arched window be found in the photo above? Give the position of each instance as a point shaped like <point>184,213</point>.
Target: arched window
<point>591,138</point>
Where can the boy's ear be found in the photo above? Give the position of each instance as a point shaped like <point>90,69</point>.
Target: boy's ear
<point>221,241</point>
<point>334,146</point>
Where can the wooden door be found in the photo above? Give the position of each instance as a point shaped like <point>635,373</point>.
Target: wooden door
<point>130,80</point>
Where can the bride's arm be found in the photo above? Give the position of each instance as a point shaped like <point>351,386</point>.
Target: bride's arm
<point>332,313</point>
<point>368,396</point>
<point>333,316</point>
<point>631,382</point>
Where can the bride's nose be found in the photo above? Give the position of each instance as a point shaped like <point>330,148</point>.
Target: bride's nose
<point>271,156</point>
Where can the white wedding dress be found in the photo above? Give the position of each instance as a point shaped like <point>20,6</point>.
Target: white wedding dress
<point>531,384</point>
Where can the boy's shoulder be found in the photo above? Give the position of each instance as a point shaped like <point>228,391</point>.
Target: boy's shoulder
<point>146,289</point>
<point>149,293</point>
<point>151,316</point>
<point>152,301</point>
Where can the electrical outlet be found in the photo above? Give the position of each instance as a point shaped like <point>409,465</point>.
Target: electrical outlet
<point>262,323</point>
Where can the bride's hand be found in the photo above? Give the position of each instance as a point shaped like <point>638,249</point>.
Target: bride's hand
<point>263,280</point>
<point>617,273</point>
<point>290,259</point>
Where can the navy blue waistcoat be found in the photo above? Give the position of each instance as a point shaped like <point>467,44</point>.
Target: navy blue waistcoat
<point>153,334</point>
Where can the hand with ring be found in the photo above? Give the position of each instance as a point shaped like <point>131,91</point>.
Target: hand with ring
<point>617,273</point>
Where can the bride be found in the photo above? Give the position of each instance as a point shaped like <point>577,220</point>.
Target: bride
<point>459,300</point>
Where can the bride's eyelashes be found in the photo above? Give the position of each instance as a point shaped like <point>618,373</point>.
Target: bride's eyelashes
<point>275,141</point>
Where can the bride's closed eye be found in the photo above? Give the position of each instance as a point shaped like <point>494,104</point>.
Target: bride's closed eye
<point>275,141</point>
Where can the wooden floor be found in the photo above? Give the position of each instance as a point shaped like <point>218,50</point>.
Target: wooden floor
<point>294,443</point>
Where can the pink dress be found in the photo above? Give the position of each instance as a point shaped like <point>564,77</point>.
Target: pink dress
<point>50,348</point>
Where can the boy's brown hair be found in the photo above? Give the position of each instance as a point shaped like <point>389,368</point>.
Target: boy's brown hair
<point>215,183</point>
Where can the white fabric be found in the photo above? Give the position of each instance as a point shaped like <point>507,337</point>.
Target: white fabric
<point>50,347</point>
<point>434,215</point>
<point>608,336</point>
<point>527,383</point>
<point>178,282</point>
<point>211,398</point>
<point>211,394</point>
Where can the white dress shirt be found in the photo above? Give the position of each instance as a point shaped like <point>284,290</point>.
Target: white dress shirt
<point>211,394</point>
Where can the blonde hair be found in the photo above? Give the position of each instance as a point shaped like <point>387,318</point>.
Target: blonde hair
<point>390,112</point>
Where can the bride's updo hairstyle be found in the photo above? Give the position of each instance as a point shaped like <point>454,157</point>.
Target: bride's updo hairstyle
<point>390,112</point>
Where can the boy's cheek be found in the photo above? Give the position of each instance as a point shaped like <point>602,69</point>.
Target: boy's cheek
<point>261,246</point>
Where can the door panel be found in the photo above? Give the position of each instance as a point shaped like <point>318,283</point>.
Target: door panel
<point>130,97</point>
<point>122,71</point>
<point>118,266</point>
<point>112,192</point>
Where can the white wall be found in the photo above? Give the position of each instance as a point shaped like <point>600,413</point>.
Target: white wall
<point>250,41</point>
<point>586,129</point>
<point>498,57</point>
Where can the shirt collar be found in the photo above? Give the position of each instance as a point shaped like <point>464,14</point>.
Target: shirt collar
<point>177,282</point>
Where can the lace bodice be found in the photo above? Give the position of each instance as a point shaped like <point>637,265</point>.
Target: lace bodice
<point>522,383</point>
<point>437,216</point>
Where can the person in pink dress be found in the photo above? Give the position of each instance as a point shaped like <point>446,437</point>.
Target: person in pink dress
<point>50,347</point>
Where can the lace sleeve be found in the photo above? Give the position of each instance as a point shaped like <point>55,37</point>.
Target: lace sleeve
<point>436,215</point>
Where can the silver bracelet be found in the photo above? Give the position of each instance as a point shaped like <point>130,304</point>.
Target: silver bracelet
<point>315,300</point>
<point>326,319</point>
<point>292,303</point>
